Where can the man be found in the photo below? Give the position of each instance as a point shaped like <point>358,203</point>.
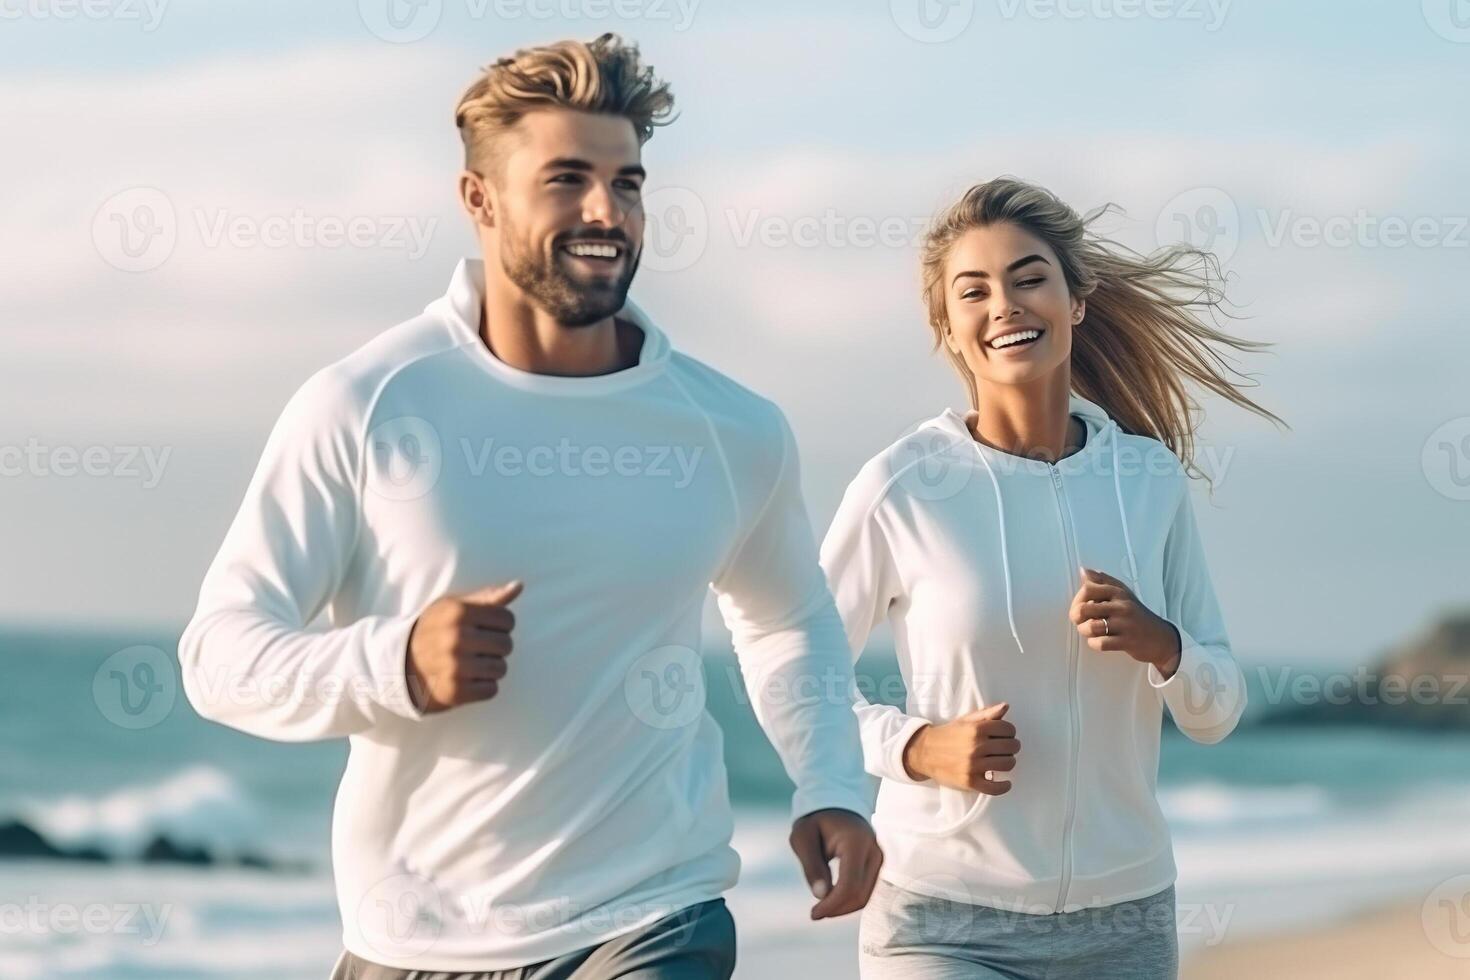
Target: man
<point>529,459</point>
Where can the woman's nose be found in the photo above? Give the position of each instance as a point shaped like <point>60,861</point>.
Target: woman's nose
<point>1002,306</point>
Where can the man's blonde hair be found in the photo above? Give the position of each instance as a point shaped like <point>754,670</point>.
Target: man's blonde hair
<point>606,75</point>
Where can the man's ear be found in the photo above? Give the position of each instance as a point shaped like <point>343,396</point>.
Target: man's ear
<point>477,198</point>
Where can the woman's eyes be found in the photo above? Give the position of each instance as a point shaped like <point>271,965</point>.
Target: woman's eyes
<point>1032,281</point>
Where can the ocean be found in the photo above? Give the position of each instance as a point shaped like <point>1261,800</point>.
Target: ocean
<point>1274,828</point>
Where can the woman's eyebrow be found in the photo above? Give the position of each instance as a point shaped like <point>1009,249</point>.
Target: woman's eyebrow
<point>1010,268</point>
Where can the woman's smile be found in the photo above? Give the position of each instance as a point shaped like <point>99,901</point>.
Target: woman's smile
<point>1015,339</point>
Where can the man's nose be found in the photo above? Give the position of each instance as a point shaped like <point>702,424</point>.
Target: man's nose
<point>600,206</point>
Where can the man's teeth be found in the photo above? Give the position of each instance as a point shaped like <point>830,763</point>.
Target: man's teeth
<point>587,250</point>
<point>1014,338</point>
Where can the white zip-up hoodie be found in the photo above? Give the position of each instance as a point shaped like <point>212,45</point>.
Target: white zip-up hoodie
<point>973,554</point>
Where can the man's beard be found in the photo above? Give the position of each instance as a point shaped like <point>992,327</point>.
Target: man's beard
<point>570,302</point>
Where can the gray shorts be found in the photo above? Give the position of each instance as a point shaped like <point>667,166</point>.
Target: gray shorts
<point>907,936</point>
<point>696,943</point>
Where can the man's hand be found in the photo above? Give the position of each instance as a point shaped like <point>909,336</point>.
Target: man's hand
<point>960,753</point>
<point>457,648</point>
<point>1132,627</point>
<point>822,835</point>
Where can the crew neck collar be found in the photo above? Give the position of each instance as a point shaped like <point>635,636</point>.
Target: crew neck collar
<point>461,306</point>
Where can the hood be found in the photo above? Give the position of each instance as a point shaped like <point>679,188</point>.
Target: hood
<point>1093,415</point>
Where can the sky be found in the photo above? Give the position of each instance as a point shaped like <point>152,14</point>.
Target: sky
<point>206,202</point>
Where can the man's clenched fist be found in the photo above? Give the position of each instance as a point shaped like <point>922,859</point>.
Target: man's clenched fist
<point>457,648</point>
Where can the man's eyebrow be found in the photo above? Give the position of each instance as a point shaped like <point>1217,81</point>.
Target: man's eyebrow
<point>575,163</point>
<point>1010,268</point>
<point>566,163</point>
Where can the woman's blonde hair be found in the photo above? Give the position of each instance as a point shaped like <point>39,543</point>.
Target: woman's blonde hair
<point>606,75</point>
<point>1141,337</point>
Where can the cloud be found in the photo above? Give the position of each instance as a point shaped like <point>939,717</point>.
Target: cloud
<point>798,167</point>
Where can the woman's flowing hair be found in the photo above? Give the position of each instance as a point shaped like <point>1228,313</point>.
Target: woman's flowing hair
<point>1142,336</point>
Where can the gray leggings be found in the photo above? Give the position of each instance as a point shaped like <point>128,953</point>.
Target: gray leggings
<point>907,936</point>
<point>696,943</point>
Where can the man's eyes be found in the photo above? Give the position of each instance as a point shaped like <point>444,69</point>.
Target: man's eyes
<point>629,185</point>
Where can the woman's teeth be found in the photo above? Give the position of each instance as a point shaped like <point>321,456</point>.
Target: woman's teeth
<point>1011,339</point>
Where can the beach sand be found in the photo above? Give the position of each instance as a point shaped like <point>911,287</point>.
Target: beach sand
<point>1390,942</point>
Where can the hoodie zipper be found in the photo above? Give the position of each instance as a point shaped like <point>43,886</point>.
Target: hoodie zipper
<point>1056,482</point>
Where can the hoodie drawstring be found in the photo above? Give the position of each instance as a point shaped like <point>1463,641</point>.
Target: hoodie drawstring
<point>1123,513</point>
<point>1005,564</point>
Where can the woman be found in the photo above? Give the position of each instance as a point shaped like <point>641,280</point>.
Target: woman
<point>1039,562</point>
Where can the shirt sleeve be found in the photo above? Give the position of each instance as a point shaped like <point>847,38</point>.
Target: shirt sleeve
<point>792,653</point>
<point>1207,694</point>
<point>248,659</point>
<point>864,582</point>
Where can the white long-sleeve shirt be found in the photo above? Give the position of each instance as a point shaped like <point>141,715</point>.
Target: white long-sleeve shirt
<point>589,796</point>
<point>973,555</point>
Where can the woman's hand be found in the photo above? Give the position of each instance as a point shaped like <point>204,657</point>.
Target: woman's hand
<point>959,753</point>
<point>1130,626</point>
